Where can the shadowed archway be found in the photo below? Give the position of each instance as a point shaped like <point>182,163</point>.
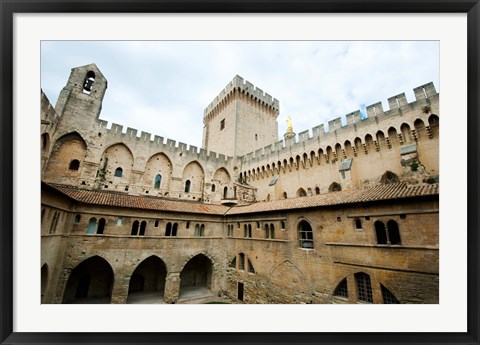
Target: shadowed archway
<point>90,282</point>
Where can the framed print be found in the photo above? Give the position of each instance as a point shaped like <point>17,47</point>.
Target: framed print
<point>239,172</point>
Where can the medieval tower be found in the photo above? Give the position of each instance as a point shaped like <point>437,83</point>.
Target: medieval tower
<point>241,119</point>
<point>348,215</point>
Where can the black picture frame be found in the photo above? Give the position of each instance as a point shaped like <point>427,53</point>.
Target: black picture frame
<point>10,7</point>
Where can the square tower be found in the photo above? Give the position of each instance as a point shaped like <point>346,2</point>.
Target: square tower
<point>240,120</point>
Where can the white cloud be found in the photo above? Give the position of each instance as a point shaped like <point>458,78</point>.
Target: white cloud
<point>163,87</point>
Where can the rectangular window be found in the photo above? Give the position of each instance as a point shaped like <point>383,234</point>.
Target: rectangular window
<point>222,124</point>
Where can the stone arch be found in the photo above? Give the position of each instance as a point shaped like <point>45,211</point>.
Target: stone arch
<point>330,157</point>
<point>348,148</point>
<point>419,128</point>
<point>406,133</point>
<point>158,164</point>
<point>114,157</point>
<point>375,286</point>
<point>335,187</point>
<point>358,145</point>
<point>301,192</point>
<point>222,177</point>
<point>44,282</point>
<point>389,177</point>
<point>380,138</point>
<point>434,123</point>
<point>197,272</point>
<point>338,151</point>
<point>67,148</point>
<point>369,142</point>
<point>194,173</point>
<point>393,136</point>
<point>289,282</point>
<point>147,280</point>
<point>90,281</point>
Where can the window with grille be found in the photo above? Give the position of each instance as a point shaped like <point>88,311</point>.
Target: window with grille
<point>242,261</point>
<point>364,287</point>
<point>305,235</point>
<point>341,290</point>
<point>388,297</point>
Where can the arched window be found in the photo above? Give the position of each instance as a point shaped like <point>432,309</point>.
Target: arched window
<point>317,190</point>
<point>196,231</point>
<point>77,218</point>
<point>301,192</point>
<point>267,233</point>
<point>174,229</point>
<point>158,181</point>
<point>74,165</point>
<point>250,230</point>
<point>245,230</point>
<point>53,226</point>
<point>282,224</point>
<point>381,233</point>
<point>101,226</point>
<point>43,215</point>
<point>341,290</point>
<point>225,192</point>
<point>334,187</point>
<point>233,263</point>
<point>388,297</point>
<point>88,83</point>
<point>393,232</point>
<point>285,195</point>
<point>250,267</point>
<point>143,227</point>
<point>305,235</point>
<point>242,261</point>
<point>168,229</point>
<point>118,172</point>
<point>364,287</point>
<point>187,186</point>
<point>389,177</point>
<point>135,228</point>
<point>213,188</point>
<point>202,230</point>
<point>272,231</point>
<point>92,224</point>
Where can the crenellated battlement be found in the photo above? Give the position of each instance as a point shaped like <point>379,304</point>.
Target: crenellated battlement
<point>116,134</point>
<point>355,126</point>
<point>238,83</point>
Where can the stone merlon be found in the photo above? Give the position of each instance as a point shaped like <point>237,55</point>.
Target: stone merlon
<point>247,87</point>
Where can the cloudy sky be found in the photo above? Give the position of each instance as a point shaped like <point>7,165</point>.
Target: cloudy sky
<point>162,87</point>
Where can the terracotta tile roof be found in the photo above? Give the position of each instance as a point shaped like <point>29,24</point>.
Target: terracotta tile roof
<point>105,198</point>
<point>377,193</point>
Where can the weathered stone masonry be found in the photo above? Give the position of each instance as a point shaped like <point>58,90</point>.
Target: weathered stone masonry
<point>344,216</point>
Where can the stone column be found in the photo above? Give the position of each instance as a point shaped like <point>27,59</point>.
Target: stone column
<point>120,290</point>
<point>172,287</point>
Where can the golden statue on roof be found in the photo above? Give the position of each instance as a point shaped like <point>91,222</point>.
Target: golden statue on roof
<point>289,123</point>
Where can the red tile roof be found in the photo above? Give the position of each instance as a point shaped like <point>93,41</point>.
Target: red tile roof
<point>106,198</point>
<point>377,193</point>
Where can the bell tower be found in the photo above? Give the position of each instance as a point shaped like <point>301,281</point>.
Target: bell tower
<point>240,120</point>
<point>80,101</point>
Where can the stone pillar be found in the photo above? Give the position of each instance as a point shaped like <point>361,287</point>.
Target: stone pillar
<point>60,286</point>
<point>172,288</point>
<point>120,290</point>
